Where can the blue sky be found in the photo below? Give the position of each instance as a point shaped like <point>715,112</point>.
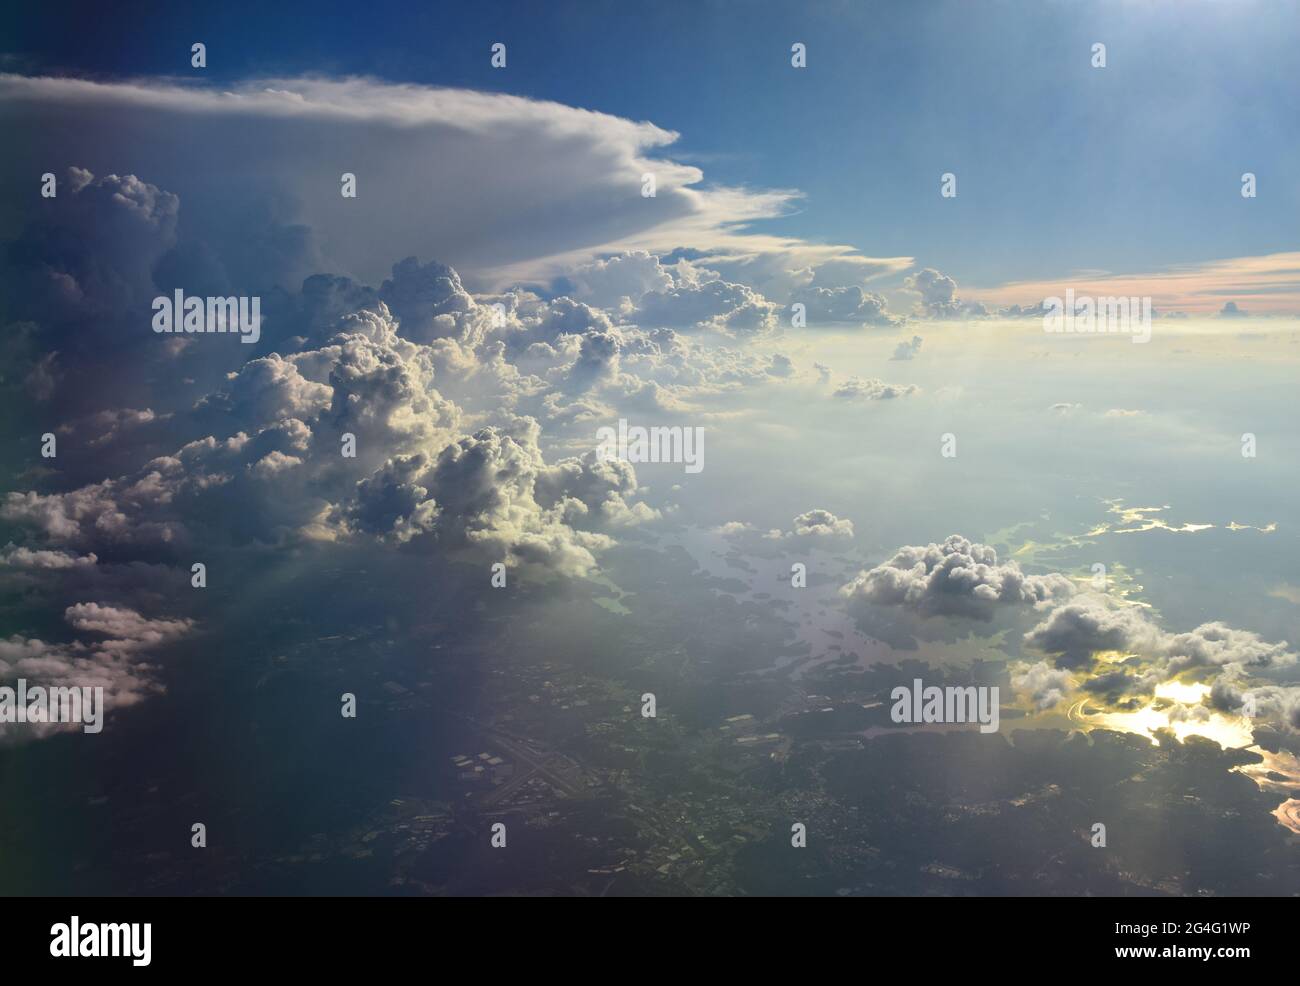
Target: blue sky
<point>1061,167</point>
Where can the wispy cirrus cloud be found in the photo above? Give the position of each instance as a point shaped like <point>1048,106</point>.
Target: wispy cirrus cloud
<point>1264,284</point>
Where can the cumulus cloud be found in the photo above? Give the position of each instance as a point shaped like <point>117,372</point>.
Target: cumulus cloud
<point>855,388</point>
<point>840,305</point>
<point>781,366</point>
<point>491,496</point>
<point>1076,631</point>
<point>562,316</point>
<point>278,472</point>
<point>114,663</point>
<point>907,349</point>
<point>440,386</point>
<point>957,578</point>
<point>94,251</point>
<point>778,268</point>
<point>110,425</point>
<point>272,470</point>
<point>616,283</point>
<point>1044,685</point>
<point>816,524</point>
<point>699,300</point>
<point>733,528</point>
<point>1279,704</point>
<point>1217,645</point>
<point>14,556</point>
<point>1124,685</point>
<point>427,300</point>
<point>1097,644</point>
<point>822,523</point>
<point>938,295</point>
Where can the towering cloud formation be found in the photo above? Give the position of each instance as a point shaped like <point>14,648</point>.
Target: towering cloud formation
<point>278,469</point>
<point>431,179</point>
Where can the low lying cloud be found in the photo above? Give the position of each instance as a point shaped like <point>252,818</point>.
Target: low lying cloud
<point>958,578</point>
<point>857,389</point>
<point>1044,685</point>
<point>116,662</point>
<point>1076,631</point>
<point>907,349</point>
<point>1266,283</point>
<point>814,524</point>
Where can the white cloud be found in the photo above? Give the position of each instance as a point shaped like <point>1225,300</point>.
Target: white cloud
<point>855,388</point>
<point>507,188</point>
<point>907,349</point>
<point>956,578</point>
<point>811,524</point>
<point>1043,684</point>
<point>114,663</point>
